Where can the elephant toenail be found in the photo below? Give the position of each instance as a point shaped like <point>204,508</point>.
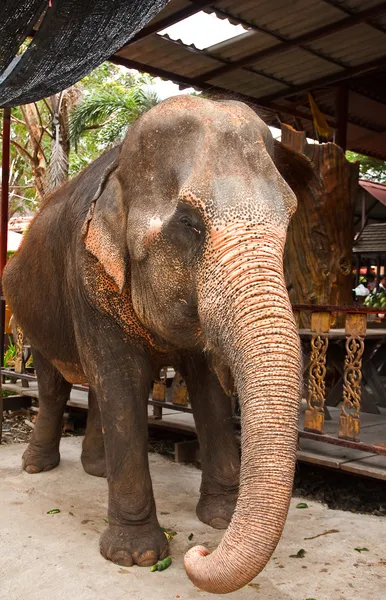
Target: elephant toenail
<point>32,469</point>
<point>147,559</point>
<point>218,523</point>
<point>122,558</point>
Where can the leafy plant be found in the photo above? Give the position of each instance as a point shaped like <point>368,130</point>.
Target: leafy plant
<point>372,169</point>
<point>10,354</point>
<point>111,111</point>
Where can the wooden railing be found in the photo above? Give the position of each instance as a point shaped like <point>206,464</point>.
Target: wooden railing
<point>354,335</point>
<point>170,391</point>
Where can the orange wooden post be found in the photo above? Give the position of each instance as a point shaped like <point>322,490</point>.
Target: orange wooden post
<point>349,424</point>
<point>314,415</point>
<point>159,394</point>
<point>179,391</point>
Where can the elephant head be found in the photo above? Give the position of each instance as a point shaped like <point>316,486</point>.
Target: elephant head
<point>194,217</point>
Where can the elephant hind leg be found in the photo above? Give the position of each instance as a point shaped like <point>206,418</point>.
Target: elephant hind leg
<point>219,452</point>
<point>42,453</point>
<point>93,450</point>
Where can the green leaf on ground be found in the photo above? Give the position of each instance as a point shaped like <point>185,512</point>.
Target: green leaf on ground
<point>54,511</point>
<point>169,534</point>
<point>362,549</point>
<point>302,505</point>
<point>190,537</point>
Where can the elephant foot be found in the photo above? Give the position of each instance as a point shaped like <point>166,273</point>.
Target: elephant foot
<point>141,545</point>
<point>216,510</point>
<point>35,460</point>
<point>94,465</point>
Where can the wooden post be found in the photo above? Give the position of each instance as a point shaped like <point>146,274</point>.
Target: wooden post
<point>363,216</point>
<point>378,269</point>
<point>349,423</point>
<point>316,397</point>
<point>342,98</point>
<point>318,255</point>
<point>358,269</point>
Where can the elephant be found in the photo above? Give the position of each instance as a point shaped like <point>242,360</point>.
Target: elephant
<point>168,250</point>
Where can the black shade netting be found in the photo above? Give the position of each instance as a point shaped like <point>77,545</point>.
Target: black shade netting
<point>17,18</point>
<point>74,38</point>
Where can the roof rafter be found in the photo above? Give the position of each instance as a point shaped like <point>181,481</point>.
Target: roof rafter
<point>287,44</point>
<point>189,82</point>
<point>193,50</point>
<point>323,81</point>
<point>346,10</point>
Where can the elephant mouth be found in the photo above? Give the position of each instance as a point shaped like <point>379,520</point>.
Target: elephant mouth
<point>224,374</point>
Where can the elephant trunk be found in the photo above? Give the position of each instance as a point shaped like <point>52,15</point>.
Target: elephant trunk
<point>247,316</point>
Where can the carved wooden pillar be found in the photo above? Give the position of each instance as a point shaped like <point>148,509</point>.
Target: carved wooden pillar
<point>318,257</point>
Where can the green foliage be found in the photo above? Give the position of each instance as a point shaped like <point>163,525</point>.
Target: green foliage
<point>372,169</point>
<point>7,393</point>
<point>22,197</point>
<point>10,354</point>
<point>110,98</point>
<point>104,115</point>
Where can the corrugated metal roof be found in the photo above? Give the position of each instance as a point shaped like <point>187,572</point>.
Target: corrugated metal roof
<point>279,16</point>
<point>372,240</point>
<point>359,44</point>
<point>286,50</point>
<point>243,45</point>
<point>164,53</point>
<point>378,190</point>
<point>286,66</point>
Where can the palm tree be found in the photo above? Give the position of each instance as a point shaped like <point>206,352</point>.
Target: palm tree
<point>112,111</point>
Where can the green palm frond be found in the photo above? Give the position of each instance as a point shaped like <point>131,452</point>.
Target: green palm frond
<point>113,109</point>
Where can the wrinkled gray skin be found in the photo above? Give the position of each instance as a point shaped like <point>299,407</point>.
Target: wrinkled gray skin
<point>169,251</point>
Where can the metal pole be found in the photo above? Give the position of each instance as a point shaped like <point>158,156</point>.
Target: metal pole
<point>3,238</point>
<point>4,215</point>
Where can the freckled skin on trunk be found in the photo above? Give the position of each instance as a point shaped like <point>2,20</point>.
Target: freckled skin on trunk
<point>261,344</point>
<point>168,251</point>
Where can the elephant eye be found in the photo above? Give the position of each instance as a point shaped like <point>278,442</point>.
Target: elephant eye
<point>188,223</point>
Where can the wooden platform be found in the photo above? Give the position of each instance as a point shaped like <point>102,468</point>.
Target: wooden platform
<point>373,431</point>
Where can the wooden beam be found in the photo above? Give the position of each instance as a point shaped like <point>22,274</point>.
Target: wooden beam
<point>189,82</point>
<point>346,10</point>
<point>342,98</point>
<point>220,59</point>
<point>172,19</point>
<point>286,44</point>
<point>323,81</point>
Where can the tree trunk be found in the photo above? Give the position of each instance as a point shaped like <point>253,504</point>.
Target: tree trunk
<point>318,255</point>
<point>39,163</point>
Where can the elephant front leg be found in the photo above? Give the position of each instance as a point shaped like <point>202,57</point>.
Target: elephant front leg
<point>93,450</point>
<point>122,384</point>
<point>219,453</point>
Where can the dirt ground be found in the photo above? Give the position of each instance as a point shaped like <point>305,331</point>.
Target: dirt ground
<point>55,556</point>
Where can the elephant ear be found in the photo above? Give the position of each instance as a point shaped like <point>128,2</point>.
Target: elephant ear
<point>296,169</point>
<point>104,229</point>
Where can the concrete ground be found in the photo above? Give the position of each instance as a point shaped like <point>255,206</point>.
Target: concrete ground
<point>56,557</point>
